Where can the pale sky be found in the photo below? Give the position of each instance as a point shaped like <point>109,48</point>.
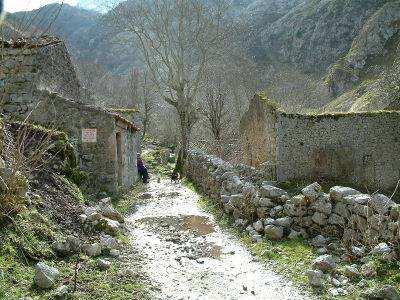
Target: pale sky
<point>19,5</point>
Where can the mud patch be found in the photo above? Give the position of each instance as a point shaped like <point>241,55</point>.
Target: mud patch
<point>199,225</point>
<point>196,225</point>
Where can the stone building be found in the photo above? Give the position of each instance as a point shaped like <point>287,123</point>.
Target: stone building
<point>358,148</point>
<point>38,82</point>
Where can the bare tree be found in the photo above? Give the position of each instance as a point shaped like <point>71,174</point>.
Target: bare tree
<point>215,107</point>
<point>142,92</point>
<point>177,39</point>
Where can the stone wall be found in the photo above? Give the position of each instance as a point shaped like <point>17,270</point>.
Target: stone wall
<point>25,69</point>
<point>342,213</point>
<point>98,159</point>
<point>362,149</point>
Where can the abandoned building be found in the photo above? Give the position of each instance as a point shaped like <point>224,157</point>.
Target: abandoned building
<point>38,83</point>
<point>358,148</point>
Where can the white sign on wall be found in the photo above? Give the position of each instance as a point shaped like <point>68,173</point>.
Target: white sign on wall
<point>89,135</point>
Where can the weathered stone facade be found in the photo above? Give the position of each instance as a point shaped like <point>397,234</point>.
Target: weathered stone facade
<point>342,213</point>
<point>38,82</point>
<point>359,148</point>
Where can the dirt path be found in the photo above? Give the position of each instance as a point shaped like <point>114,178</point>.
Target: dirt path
<point>188,256</point>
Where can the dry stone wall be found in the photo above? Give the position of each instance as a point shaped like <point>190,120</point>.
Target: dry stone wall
<point>27,69</point>
<point>265,209</point>
<point>362,149</point>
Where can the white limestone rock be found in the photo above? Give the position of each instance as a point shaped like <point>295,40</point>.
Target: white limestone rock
<point>337,193</point>
<point>312,191</point>
<point>272,192</point>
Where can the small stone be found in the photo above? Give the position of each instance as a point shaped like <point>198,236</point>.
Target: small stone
<point>358,251</point>
<point>362,283</point>
<point>107,210</point>
<point>336,282</point>
<point>61,293</point>
<point>265,202</point>
<point>103,264</point>
<point>324,262</point>
<point>240,223</point>
<point>93,217</point>
<point>333,292</point>
<point>75,244</point>
<point>258,226</point>
<point>146,196</point>
<point>276,211</point>
<point>351,271</point>
<point>323,204</point>
<point>386,292</point>
<point>294,234</point>
<point>45,276</point>
<point>381,249</point>
<point>273,232</point>
<point>337,193</point>
<point>83,218</point>
<point>319,241</point>
<point>114,253</point>
<point>312,191</point>
<point>269,221</point>
<point>272,192</point>
<point>257,238</point>
<point>92,250</point>
<point>322,251</point>
<point>368,270</point>
<point>315,278</point>
<point>249,228</point>
<point>108,242</point>
<point>381,204</point>
<point>319,218</point>
<point>284,222</point>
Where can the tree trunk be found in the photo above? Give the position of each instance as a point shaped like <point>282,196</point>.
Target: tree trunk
<point>183,151</point>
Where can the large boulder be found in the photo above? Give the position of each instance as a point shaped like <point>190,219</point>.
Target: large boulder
<point>45,276</point>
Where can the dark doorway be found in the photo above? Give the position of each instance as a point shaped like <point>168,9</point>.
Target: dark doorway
<point>119,157</point>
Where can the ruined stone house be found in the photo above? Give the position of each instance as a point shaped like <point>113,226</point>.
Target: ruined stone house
<point>38,82</point>
<point>359,148</point>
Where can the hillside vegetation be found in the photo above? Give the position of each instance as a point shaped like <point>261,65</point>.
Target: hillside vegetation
<point>319,55</point>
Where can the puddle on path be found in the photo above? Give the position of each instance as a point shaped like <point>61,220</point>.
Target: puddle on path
<point>188,256</point>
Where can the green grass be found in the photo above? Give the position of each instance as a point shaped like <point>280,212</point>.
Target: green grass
<point>125,201</point>
<point>154,164</point>
<point>27,239</point>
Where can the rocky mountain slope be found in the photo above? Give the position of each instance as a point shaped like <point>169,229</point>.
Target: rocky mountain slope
<point>319,55</point>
